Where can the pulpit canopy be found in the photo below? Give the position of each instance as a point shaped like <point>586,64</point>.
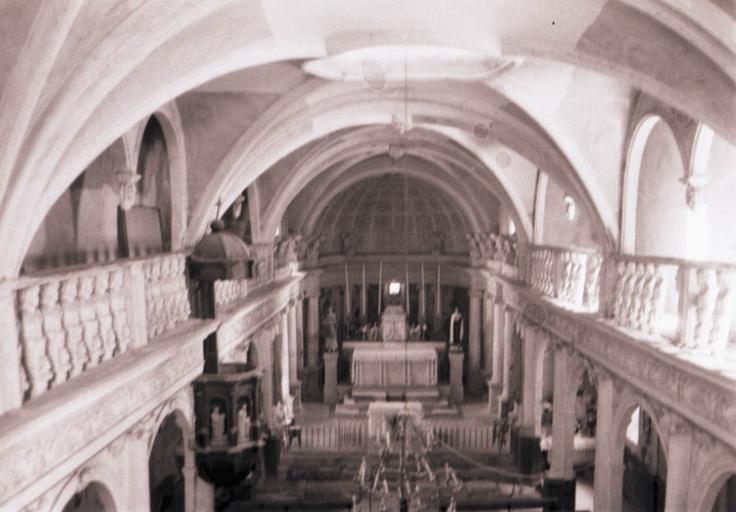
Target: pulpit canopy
<point>220,255</point>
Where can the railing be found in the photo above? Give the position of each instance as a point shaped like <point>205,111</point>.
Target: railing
<point>336,434</point>
<point>167,295</point>
<point>467,435</point>
<point>689,303</point>
<point>73,321</point>
<point>571,276</point>
<point>233,290</point>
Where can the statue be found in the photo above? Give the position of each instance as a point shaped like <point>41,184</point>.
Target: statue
<point>127,188</point>
<point>37,364</point>
<point>55,335</point>
<point>330,326</point>
<point>73,326</point>
<point>457,328</point>
<point>362,471</point>
<point>243,424</point>
<point>217,419</point>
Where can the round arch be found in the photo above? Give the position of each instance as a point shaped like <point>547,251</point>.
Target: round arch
<point>621,417</point>
<point>346,105</point>
<point>630,196</point>
<point>104,479</point>
<point>718,469</point>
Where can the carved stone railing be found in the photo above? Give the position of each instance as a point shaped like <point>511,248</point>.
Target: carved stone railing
<point>71,322</point>
<point>230,291</point>
<point>570,276</point>
<point>336,434</point>
<point>166,292</point>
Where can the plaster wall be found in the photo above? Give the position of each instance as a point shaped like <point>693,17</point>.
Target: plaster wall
<point>558,229</point>
<point>661,211</point>
<point>718,198</point>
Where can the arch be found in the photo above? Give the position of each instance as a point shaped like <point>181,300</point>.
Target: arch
<point>165,473</point>
<point>104,479</point>
<point>632,168</point>
<point>718,470</point>
<point>169,119</point>
<point>372,141</point>
<point>700,154</point>
<point>343,106</point>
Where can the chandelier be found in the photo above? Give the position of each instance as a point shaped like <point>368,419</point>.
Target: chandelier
<point>403,478</point>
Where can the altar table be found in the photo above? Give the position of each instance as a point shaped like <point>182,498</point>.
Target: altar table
<point>394,365</point>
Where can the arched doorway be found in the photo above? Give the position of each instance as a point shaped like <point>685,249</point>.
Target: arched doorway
<point>165,475</point>
<point>645,464</point>
<point>93,498</point>
<point>155,183</point>
<point>725,500</point>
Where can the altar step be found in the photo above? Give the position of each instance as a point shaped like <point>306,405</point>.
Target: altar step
<point>398,394</point>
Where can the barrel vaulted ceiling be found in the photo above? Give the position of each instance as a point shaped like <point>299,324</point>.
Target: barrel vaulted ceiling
<point>508,85</point>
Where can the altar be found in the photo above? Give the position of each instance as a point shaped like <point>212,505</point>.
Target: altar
<point>394,365</point>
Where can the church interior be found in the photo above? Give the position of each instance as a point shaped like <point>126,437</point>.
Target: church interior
<point>367,255</point>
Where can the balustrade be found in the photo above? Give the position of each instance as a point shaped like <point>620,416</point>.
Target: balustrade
<point>467,435</point>
<point>167,295</point>
<point>335,434</point>
<point>571,276</point>
<point>70,323</point>
<point>233,290</point>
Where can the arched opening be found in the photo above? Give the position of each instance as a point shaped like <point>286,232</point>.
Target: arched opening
<point>81,226</point>
<point>165,463</point>
<point>725,500</point>
<point>154,186</point>
<point>645,463</point>
<point>660,204</point>
<point>586,400</point>
<point>95,497</point>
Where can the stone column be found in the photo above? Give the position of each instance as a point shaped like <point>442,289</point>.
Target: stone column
<point>204,496</point>
<point>508,356</point>
<point>560,479</point>
<point>293,350</point>
<point>264,340</point>
<point>679,458</point>
<point>456,377</point>
<point>136,457</point>
<point>496,386</point>
<point>11,378</point>
<point>300,336</point>
<point>609,460</point>
<point>330,391</point>
<point>190,482</point>
<point>475,374</point>
<point>488,334</point>
<point>312,373</point>
<point>528,454</point>
<point>284,363</point>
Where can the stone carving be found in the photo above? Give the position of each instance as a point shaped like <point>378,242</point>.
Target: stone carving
<point>73,327</point>
<point>722,312</point>
<point>90,325</point>
<point>127,189</point>
<point>54,332</point>
<point>104,315</point>
<point>243,424</point>
<point>119,311</point>
<point>217,427</point>
<point>639,295</point>
<point>167,296</point>
<point>37,364</point>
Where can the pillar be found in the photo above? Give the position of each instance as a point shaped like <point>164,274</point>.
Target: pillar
<point>528,453</point>
<point>293,350</point>
<point>204,496</point>
<point>475,374</point>
<point>508,357</point>
<point>10,353</point>
<point>488,334</point>
<point>330,391</point>
<point>496,386</point>
<point>560,479</point>
<point>190,480</point>
<point>299,314</point>
<point>312,373</point>
<point>284,362</point>
<point>679,458</point>
<point>457,394</point>
<point>136,457</point>
<point>609,458</point>
<point>264,340</point>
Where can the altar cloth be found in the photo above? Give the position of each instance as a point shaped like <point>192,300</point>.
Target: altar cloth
<point>395,365</point>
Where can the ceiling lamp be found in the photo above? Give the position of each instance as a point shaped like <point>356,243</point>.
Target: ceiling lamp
<point>380,64</point>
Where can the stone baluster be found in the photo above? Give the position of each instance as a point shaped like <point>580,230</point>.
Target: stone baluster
<point>658,297</point>
<point>629,278</point>
<point>104,315</point>
<point>73,327</point>
<point>722,312</point>
<point>564,287</point>
<point>119,311</point>
<point>592,285</point>
<point>646,304</point>
<point>90,324</point>
<point>632,312</point>
<point>705,307</point>
<point>36,362</point>
<point>618,293</point>
<point>54,333</point>
<point>578,279</point>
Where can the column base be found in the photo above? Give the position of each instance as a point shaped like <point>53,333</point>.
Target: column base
<point>527,454</point>
<point>563,491</point>
<point>494,394</point>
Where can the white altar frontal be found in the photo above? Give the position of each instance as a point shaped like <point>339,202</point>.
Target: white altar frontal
<point>394,365</point>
